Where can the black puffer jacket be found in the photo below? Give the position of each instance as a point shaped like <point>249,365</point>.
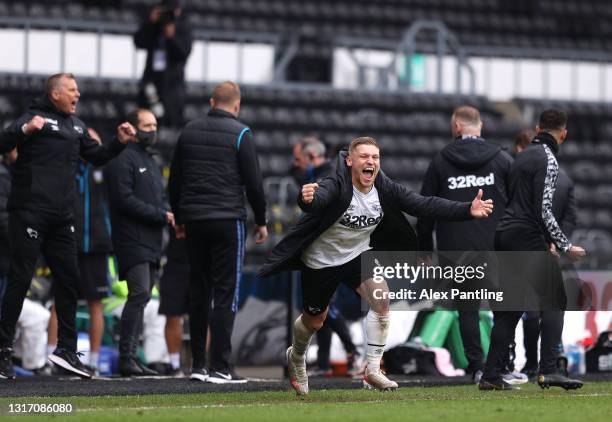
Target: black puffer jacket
<point>138,207</point>
<point>43,176</point>
<point>332,198</point>
<point>214,164</point>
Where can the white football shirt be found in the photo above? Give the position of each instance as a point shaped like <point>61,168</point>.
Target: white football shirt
<point>348,237</point>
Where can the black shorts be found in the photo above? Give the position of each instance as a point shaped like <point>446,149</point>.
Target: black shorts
<point>319,285</point>
<point>174,289</point>
<point>94,282</point>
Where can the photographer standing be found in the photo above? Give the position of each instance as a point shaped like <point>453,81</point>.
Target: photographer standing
<point>166,36</point>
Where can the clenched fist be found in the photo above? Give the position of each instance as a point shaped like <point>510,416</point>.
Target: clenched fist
<point>126,132</point>
<point>36,123</point>
<point>308,191</point>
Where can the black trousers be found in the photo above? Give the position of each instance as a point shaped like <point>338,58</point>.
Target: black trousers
<point>31,233</point>
<point>216,255</point>
<point>140,280</point>
<point>469,325</point>
<point>506,321</point>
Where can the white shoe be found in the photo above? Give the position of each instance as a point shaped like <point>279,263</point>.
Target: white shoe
<point>378,381</point>
<point>515,377</point>
<point>297,374</point>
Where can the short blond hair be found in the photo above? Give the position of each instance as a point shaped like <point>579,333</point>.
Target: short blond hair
<point>467,114</point>
<point>363,140</point>
<point>226,93</point>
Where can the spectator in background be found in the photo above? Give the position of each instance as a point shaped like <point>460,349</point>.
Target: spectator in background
<point>139,213</point>
<point>215,163</point>
<point>309,161</point>
<point>166,36</point>
<point>92,226</point>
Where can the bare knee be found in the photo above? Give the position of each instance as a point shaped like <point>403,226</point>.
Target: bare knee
<point>314,322</point>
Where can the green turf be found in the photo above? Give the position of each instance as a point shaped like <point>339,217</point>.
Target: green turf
<point>465,403</point>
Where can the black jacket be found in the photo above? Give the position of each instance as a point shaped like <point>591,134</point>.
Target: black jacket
<point>214,164</point>
<point>311,175</point>
<point>564,203</point>
<point>177,49</point>
<point>456,173</point>
<point>43,176</point>
<point>531,187</point>
<point>5,188</point>
<point>332,198</point>
<point>138,207</point>
<point>91,213</point>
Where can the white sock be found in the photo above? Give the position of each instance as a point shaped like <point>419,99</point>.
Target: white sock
<point>377,328</point>
<point>93,359</point>
<point>175,360</point>
<point>301,338</point>
<point>51,348</point>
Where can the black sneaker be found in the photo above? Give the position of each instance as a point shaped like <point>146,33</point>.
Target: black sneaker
<point>495,384</point>
<point>199,374</point>
<point>558,380</point>
<point>217,377</point>
<point>70,361</point>
<point>6,364</point>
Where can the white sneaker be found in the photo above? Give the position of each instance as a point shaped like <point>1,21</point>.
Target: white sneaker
<point>515,377</point>
<point>377,380</point>
<point>297,374</point>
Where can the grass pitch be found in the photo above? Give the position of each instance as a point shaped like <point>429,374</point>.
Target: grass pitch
<point>462,403</point>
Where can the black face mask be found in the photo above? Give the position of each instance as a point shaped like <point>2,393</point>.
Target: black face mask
<point>146,139</point>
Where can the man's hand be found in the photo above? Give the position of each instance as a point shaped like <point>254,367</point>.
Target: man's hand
<point>36,123</point>
<point>261,234</point>
<point>170,218</point>
<point>553,250</point>
<point>180,231</point>
<point>126,133</point>
<point>169,30</point>
<point>576,253</point>
<point>480,208</point>
<point>308,191</point>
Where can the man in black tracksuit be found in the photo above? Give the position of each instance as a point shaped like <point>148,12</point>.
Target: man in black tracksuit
<point>139,212</point>
<point>214,165</point>
<point>469,163</point>
<point>355,210</point>
<point>49,140</point>
<point>564,210</point>
<point>530,225</point>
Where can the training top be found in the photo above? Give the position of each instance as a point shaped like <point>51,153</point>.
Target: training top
<point>532,184</point>
<point>457,172</point>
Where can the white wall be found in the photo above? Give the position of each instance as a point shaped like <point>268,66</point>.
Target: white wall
<point>209,61</point>
<point>497,78</point>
